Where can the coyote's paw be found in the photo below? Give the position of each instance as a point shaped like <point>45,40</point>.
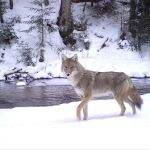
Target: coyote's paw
<point>78,114</point>
<point>85,118</point>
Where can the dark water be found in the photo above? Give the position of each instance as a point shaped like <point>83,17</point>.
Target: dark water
<point>49,93</point>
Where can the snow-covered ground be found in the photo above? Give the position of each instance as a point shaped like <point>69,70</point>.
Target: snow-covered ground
<point>56,127</point>
<point>109,58</point>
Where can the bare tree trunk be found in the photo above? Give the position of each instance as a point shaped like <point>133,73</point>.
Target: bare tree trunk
<point>1,17</point>
<point>11,4</point>
<point>41,55</point>
<point>42,38</point>
<point>132,17</point>
<point>84,6</point>
<point>65,18</point>
<point>46,2</point>
<point>92,3</point>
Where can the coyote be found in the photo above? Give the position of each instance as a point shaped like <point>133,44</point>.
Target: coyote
<point>88,84</point>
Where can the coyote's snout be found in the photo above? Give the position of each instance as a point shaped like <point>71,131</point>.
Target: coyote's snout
<point>88,84</point>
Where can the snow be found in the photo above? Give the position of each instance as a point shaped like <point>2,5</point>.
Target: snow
<point>109,58</point>
<point>56,127</point>
<point>20,83</point>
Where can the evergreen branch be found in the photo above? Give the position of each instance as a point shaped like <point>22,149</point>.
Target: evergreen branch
<point>30,29</point>
<point>36,10</point>
<point>38,3</point>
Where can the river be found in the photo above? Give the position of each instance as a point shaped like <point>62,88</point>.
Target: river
<point>49,92</point>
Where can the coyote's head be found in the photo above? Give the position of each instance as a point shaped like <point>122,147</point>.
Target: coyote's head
<point>70,66</point>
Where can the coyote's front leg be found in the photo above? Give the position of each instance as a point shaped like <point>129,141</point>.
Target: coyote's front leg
<point>82,105</point>
<point>85,112</point>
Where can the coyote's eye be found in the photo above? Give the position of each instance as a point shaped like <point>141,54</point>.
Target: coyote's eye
<point>72,67</point>
<point>65,67</point>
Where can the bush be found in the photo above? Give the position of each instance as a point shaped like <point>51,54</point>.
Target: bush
<point>7,32</point>
<point>25,52</point>
<point>106,7</point>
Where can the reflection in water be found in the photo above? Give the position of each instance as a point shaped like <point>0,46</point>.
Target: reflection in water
<point>48,95</point>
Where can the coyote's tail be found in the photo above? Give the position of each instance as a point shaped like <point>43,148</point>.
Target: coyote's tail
<point>136,98</point>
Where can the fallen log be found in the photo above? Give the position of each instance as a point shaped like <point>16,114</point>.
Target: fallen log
<point>11,72</point>
<point>104,44</point>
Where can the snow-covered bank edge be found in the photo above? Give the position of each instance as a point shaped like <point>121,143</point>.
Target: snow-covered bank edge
<point>133,68</point>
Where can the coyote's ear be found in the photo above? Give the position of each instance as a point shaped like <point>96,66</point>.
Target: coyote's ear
<point>63,57</point>
<point>75,57</point>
